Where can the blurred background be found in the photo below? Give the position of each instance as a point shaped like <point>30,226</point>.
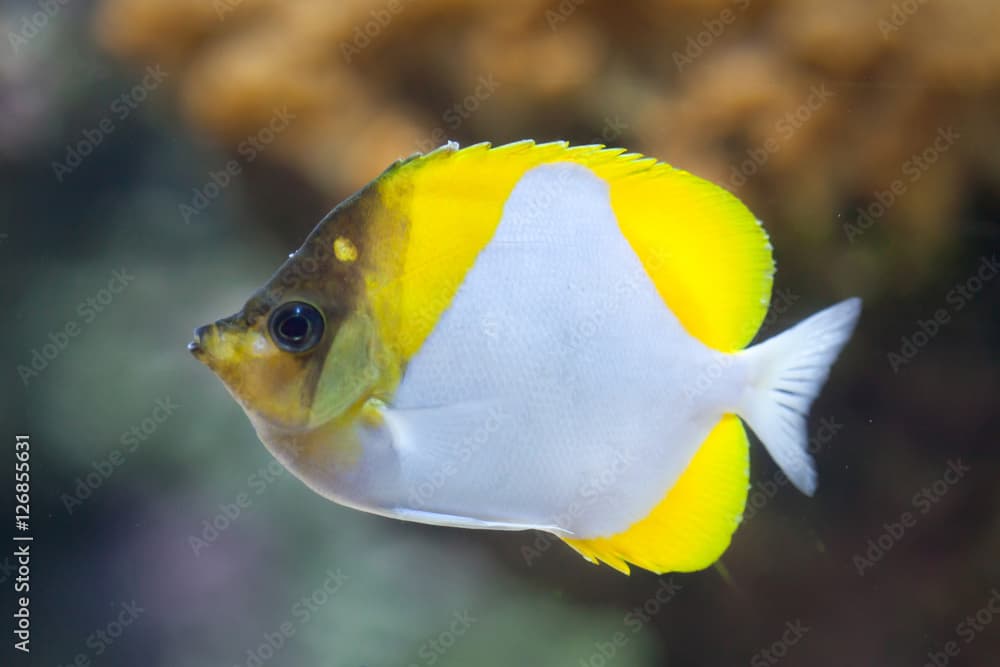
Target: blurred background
<point>159,158</point>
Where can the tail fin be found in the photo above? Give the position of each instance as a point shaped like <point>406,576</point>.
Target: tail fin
<point>786,374</point>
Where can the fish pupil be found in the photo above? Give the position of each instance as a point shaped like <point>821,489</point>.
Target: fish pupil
<point>295,328</point>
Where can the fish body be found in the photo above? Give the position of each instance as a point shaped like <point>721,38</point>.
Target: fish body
<point>533,337</point>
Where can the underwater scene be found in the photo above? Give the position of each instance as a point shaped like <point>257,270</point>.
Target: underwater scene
<point>412,333</point>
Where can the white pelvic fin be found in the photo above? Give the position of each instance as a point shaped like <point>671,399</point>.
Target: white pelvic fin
<point>785,375</point>
<point>454,521</point>
<point>438,434</point>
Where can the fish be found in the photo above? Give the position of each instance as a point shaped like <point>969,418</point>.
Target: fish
<point>533,336</point>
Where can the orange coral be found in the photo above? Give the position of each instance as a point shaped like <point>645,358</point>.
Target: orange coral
<point>807,109</point>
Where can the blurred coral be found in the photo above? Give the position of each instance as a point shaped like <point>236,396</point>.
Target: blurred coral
<point>772,100</point>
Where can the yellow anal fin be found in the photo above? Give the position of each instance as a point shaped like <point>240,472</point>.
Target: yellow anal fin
<point>692,526</point>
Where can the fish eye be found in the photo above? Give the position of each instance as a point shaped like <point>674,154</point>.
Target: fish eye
<point>296,326</point>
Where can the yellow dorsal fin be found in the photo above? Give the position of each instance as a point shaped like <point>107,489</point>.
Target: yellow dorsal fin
<point>692,526</point>
<point>708,256</point>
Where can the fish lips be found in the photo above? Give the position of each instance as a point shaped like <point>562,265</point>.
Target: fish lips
<point>195,346</point>
<point>208,337</point>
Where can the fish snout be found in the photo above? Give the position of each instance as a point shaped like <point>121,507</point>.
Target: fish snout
<point>198,346</point>
<point>195,346</point>
<point>223,343</point>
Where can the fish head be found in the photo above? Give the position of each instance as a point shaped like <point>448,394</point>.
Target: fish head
<point>303,351</point>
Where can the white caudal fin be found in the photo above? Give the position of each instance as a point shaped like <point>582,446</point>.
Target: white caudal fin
<point>785,375</point>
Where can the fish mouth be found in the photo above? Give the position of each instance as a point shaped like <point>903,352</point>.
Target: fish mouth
<point>216,343</point>
<point>196,347</point>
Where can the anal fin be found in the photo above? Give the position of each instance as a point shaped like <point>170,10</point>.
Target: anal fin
<point>693,525</point>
